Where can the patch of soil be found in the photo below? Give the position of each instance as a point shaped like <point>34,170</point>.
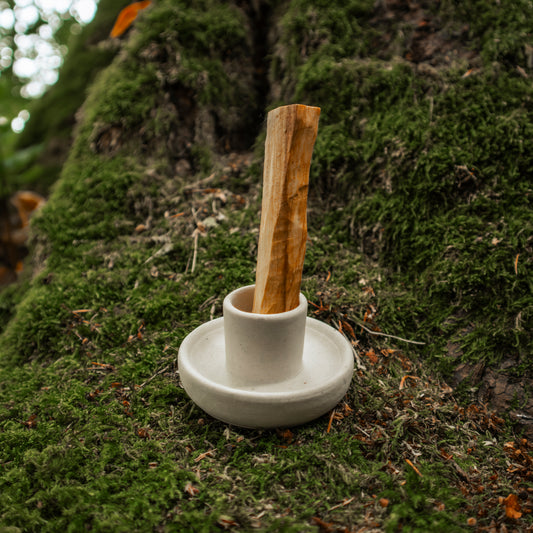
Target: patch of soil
<point>501,391</point>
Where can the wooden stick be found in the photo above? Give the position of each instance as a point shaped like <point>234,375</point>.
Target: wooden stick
<point>291,135</point>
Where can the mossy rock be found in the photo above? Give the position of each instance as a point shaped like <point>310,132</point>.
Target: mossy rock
<point>419,251</point>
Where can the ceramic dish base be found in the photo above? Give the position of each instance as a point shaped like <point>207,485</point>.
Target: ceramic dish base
<point>322,382</point>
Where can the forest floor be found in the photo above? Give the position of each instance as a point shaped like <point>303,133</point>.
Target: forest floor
<point>418,253</point>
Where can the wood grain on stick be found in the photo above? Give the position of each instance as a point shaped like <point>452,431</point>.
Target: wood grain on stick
<point>291,135</point>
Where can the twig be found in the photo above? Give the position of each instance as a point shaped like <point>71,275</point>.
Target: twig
<point>333,413</point>
<point>344,503</point>
<point>413,467</point>
<point>195,251</point>
<point>194,213</point>
<point>360,366</point>
<point>362,430</point>
<point>208,453</point>
<point>199,183</point>
<point>159,372</point>
<point>386,335</point>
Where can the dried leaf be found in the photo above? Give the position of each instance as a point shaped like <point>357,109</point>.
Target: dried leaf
<point>226,522</point>
<point>103,366</point>
<point>286,434</point>
<point>31,422</point>
<point>348,328</point>
<point>208,453</point>
<point>332,416</point>
<point>445,455</point>
<point>26,203</point>
<point>143,433</point>
<point>127,16</point>
<point>371,354</point>
<point>190,489</point>
<point>324,527</point>
<point>512,506</point>
<point>402,382</point>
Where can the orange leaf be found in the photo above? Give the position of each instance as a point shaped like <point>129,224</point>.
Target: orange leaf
<point>372,356</point>
<point>190,489</point>
<point>332,416</point>
<point>226,522</point>
<point>26,202</point>
<point>143,433</point>
<point>348,328</point>
<point>127,16</point>
<point>31,422</point>
<point>402,381</point>
<point>512,506</point>
<point>324,526</point>
<point>286,434</point>
<point>445,455</point>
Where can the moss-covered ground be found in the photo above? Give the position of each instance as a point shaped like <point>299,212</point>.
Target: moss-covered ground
<point>419,251</point>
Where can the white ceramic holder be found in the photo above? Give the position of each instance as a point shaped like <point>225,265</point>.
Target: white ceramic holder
<point>265,370</point>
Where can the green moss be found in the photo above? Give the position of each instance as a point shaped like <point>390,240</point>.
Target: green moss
<point>433,167</point>
<point>415,508</point>
<point>10,297</point>
<point>310,29</point>
<point>418,211</point>
<point>204,28</point>
<point>498,33</point>
<point>204,48</point>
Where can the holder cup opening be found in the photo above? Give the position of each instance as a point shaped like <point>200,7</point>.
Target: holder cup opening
<point>262,348</point>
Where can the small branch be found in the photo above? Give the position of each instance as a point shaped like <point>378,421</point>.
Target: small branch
<point>409,462</point>
<point>386,335</point>
<point>199,184</point>
<point>344,503</point>
<point>195,251</point>
<point>159,372</point>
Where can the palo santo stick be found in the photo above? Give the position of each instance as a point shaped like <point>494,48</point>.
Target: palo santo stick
<point>291,135</point>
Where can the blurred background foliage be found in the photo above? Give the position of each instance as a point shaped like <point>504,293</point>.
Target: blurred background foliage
<point>37,40</point>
